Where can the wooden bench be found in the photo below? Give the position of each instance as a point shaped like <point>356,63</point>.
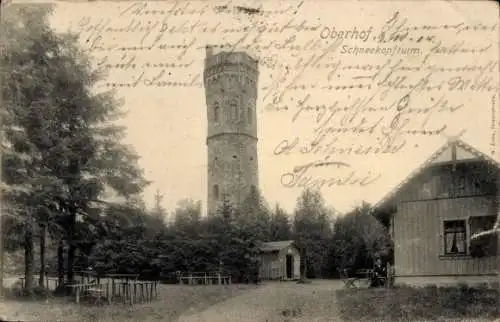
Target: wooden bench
<point>364,272</point>
<point>360,274</point>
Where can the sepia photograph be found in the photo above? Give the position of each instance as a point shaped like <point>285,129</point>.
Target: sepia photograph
<point>251,161</point>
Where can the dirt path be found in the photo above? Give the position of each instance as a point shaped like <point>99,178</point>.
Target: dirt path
<point>275,302</point>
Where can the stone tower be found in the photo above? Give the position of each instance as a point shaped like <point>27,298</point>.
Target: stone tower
<point>230,80</point>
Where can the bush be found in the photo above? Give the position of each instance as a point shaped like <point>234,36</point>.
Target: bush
<point>18,291</point>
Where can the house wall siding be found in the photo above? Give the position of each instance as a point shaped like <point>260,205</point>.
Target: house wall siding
<point>273,265</point>
<point>419,240</point>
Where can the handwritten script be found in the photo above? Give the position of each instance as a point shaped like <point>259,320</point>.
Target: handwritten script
<point>346,90</point>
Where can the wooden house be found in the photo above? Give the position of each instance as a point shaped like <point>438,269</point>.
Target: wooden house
<point>434,213</point>
<point>279,260</point>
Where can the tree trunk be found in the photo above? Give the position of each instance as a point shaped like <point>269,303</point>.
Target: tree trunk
<point>42,255</point>
<point>303,268</point>
<point>60,265</point>
<point>71,261</point>
<point>72,207</point>
<point>305,262</point>
<point>2,245</point>
<point>28,256</point>
<point>71,245</point>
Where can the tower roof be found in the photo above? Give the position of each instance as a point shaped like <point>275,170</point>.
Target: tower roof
<point>214,50</point>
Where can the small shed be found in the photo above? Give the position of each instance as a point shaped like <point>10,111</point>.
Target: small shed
<point>280,260</point>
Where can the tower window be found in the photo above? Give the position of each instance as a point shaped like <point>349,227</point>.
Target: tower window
<point>234,109</point>
<point>216,191</point>
<point>249,115</point>
<point>234,156</point>
<point>216,112</point>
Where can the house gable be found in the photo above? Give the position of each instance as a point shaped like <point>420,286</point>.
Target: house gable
<point>456,180</point>
<point>454,152</point>
<point>440,170</point>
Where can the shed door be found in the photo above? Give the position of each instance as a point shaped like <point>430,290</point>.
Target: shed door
<point>289,266</point>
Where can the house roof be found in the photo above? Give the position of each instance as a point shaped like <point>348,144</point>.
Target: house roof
<point>275,246</point>
<point>468,153</point>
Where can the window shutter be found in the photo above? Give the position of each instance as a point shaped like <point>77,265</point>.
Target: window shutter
<point>485,245</point>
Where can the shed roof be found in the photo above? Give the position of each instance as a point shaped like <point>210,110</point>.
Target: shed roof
<point>468,153</point>
<point>275,246</point>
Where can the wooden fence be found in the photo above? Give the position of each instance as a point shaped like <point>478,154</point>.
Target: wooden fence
<point>124,288</point>
<point>132,292</point>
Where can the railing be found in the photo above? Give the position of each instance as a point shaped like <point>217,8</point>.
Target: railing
<point>205,278</point>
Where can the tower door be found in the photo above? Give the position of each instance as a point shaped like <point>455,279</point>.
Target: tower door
<point>289,266</point>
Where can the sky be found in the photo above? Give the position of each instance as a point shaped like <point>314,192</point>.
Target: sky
<point>167,124</point>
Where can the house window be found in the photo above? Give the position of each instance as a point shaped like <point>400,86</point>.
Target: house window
<point>216,191</point>
<point>427,190</point>
<point>455,237</point>
<point>216,112</point>
<point>444,185</point>
<point>485,244</point>
<point>460,185</point>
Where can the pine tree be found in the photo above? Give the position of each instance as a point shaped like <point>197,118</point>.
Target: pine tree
<point>279,225</point>
<point>64,147</point>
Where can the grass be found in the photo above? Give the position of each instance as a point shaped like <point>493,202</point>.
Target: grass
<point>409,304</point>
<point>173,300</point>
<point>279,302</point>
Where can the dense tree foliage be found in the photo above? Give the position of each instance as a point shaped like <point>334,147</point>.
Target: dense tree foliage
<point>312,229</point>
<point>358,237</point>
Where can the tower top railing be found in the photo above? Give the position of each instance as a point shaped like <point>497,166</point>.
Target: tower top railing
<point>220,54</point>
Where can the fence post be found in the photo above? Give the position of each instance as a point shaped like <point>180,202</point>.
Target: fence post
<point>135,294</point>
